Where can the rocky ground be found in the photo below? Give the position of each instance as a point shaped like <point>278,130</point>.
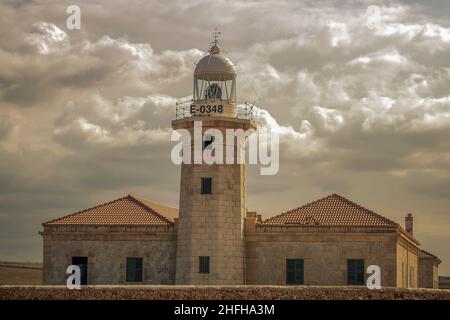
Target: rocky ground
<point>220,292</point>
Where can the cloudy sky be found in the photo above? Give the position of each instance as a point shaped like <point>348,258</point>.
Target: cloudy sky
<point>360,96</point>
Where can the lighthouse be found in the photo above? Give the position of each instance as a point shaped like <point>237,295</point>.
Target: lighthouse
<point>212,205</point>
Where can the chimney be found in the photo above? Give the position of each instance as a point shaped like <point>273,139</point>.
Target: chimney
<point>409,223</point>
<point>250,222</point>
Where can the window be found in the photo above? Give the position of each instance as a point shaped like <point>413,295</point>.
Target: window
<point>355,272</point>
<point>294,271</point>
<point>206,185</point>
<point>134,270</point>
<point>82,262</point>
<point>207,143</point>
<point>203,266</point>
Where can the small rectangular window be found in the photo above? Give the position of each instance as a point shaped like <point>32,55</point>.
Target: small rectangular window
<point>206,185</point>
<point>294,271</point>
<point>82,262</point>
<point>203,266</point>
<point>355,272</point>
<point>134,269</point>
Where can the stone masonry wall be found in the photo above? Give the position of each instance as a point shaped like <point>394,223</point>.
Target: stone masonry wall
<point>407,264</point>
<point>325,256</point>
<point>107,256</point>
<point>428,274</point>
<point>211,224</point>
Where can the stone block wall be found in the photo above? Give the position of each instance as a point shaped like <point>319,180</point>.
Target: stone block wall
<point>428,273</point>
<point>211,225</point>
<point>107,253</point>
<point>407,264</point>
<point>325,256</point>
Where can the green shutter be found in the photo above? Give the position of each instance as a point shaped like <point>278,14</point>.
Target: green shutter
<point>355,272</point>
<point>206,187</point>
<point>203,264</point>
<point>134,269</point>
<point>82,262</point>
<point>294,271</point>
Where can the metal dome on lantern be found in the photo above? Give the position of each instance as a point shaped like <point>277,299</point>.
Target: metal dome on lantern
<point>215,76</point>
<point>214,88</point>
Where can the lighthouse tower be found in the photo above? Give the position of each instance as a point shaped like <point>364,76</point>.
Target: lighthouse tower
<point>212,208</point>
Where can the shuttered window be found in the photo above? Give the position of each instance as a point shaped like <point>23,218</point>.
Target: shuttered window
<point>355,272</point>
<point>294,271</point>
<point>134,269</point>
<point>82,262</point>
<point>206,185</point>
<point>203,266</point>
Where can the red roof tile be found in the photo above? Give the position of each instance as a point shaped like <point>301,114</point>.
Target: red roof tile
<point>129,210</point>
<point>333,210</point>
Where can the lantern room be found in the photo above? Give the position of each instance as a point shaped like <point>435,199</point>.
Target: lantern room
<point>215,77</point>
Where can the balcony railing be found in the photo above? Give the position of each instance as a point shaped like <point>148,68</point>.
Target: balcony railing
<point>245,110</point>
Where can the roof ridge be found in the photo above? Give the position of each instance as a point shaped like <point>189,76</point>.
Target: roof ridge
<point>84,210</point>
<point>365,209</point>
<point>299,213</point>
<point>139,202</point>
<point>139,198</point>
<point>299,207</point>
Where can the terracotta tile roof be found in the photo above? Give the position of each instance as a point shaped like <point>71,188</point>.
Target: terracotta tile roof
<point>129,210</point>
<point>333,210</point>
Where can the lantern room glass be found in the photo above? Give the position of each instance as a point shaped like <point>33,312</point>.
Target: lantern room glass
<point>224,90</point>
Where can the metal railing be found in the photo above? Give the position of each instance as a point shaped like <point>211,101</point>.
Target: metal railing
<point>244,110</point>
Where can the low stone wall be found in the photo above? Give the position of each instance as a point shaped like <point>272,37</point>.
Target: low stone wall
<point>219,292</point>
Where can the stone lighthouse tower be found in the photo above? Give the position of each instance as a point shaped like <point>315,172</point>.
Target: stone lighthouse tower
<point>212,208</point>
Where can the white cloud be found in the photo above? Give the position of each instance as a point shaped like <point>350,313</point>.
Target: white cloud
<point>47,38</point>
<point>267,121</point>
<point>339,33</point>
<point>330,118</point>
<point>393,57</point>
<point>128,121</point>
